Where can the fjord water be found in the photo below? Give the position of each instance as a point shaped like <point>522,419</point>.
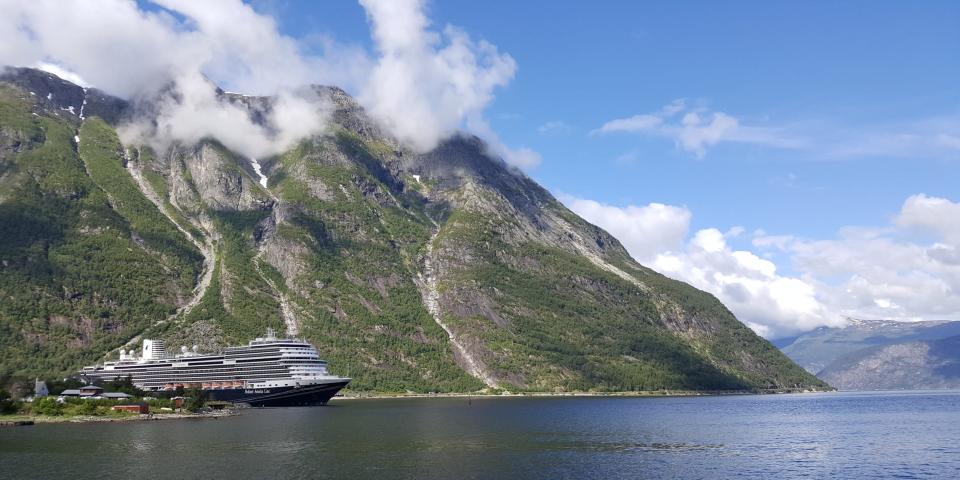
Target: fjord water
<point>844,435</point>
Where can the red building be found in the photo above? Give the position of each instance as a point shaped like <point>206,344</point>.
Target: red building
<point>142,408</point>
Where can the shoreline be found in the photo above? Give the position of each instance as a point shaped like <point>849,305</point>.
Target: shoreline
<point>633,394</point>
<point>23,420</point>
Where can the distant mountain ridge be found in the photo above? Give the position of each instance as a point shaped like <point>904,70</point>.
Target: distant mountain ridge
<point>442,271</point>
<point>881,354</point>
<point>907,365</point>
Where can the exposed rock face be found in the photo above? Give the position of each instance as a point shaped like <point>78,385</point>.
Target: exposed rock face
<point>219,181</point>
<point>444,271</point>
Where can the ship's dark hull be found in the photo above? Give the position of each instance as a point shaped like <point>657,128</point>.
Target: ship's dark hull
<point>303,396</point>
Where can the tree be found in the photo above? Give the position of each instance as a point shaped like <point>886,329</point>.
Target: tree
<point>197,399</point>
<point>56,386</point>
<point>47,406</point>
<point>7,404</point>
<point>123,385</point>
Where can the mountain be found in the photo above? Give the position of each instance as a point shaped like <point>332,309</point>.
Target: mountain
<point>909,365</point>
<point>818,349</point>
<point>443,271</point>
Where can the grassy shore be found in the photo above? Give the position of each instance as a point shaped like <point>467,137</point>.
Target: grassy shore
<point>8,420</point>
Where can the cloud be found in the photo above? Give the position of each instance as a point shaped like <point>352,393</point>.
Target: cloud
<point>883,278</point>
<point>780,242</point>
<point>930,137</point>
<point>63,73</point>
<point>636,123</point>
<point>554,127</point>
<point>864,272</point>
<point>771,303</point>
<point>194,111</point>
<point>426,83</point>
<point>694,130</point>
<point>522,157</point>
<point>644,230</point>
<point>883,272</point>
<point>948,141</point>
<point>126,50</point>
<point>937,215</point>
<point>656,235</point>
<point>166,55</point>
<point>421,84</point>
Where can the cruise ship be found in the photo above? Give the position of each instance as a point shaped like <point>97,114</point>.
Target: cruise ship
<point>267,372</point>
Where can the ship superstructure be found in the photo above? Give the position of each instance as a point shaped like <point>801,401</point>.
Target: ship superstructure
<point>268,371</point>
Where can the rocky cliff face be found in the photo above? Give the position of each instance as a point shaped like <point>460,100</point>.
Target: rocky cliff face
<point>444,271</point>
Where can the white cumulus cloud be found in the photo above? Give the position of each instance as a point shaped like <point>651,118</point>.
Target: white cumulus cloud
<point>644,230</point>
<point>168,54</point>
<point>771,303</point>
<point>421,83</point>
<point>657,235</point>
<point>885,272</point>
<point>937,215</point>
<point>196,112</point>
<point>427,83</point>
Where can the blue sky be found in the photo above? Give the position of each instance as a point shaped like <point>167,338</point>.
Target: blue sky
<point>847,111</point>
<point>798,160</point>
<point>860,66</point>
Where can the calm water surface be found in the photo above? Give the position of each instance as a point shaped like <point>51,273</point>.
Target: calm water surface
<point>843,435</point>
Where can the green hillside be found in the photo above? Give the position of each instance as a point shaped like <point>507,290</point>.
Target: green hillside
<point>444,271</point>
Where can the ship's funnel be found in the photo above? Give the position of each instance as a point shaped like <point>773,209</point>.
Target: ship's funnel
<point>153,349</point>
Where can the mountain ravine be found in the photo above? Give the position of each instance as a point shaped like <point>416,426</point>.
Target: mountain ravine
<point>444,271</point>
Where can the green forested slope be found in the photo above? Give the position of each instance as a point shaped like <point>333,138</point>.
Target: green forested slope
<point>74,281</point>
<point>443,271</point>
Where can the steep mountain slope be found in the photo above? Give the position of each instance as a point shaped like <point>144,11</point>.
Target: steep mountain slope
<point>909,365</point>
<point>445,271</point>
<point>816,350</point>
<point>84,262</point>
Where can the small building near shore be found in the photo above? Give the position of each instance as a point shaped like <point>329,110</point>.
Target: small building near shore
<point>141,408</point>
<point>116,395</point>
<point>219,405</point>
<point>91,391</point>
<point>40,389</point>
